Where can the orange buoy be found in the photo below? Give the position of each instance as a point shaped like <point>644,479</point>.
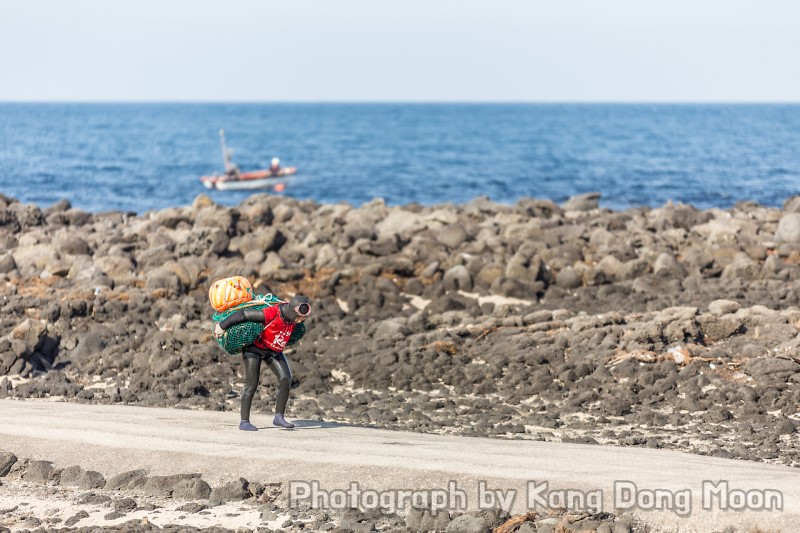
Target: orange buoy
<point>229,292</point>
<point>280,187</point>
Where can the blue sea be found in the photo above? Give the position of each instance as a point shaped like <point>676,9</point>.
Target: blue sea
<point>139,157</point>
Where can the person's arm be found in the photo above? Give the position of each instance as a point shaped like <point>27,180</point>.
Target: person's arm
<point>243,315</point>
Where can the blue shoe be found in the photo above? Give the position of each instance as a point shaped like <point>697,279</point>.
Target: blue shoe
<point>280,421</point>
<point>245,425</point>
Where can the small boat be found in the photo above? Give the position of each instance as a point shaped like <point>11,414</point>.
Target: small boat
<point>232,179</point>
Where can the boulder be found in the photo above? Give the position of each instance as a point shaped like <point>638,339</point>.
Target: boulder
<point>203,240</point>
<point>667,266</point>
<point>32,259</point>
<point>792,204</point>
<point>723,307</point>
<point>489,274</point>
<point>120,269</point>
<point>458,278</point>
<point>191,489</point>
<point>772,370</point>
<point>38,471</point>
<point>126,480</point>
<point>7,460</point>
<point>612,268</point>
<point>7,263</point>
<point>569,278</point>
<point>452,235</point>
<point>267,239</point>
<point>163,486</point>
<point>788,229</point>
<point>582,202</point>
<point>398,222</point>
<point>28,215</point>
<point>233,491</point>
<point>468,523</point>
<point>69,244</point>
<point>742,267</point>
<point>71,476</point>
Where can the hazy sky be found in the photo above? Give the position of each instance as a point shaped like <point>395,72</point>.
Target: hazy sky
<point>407,50</point>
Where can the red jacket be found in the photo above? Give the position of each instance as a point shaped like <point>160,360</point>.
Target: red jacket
<point>276,331</point>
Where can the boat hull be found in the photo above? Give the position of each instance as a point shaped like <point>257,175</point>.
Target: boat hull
<point>260,179</point>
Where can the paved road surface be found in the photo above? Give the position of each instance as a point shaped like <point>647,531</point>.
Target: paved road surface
<point>113,439</point>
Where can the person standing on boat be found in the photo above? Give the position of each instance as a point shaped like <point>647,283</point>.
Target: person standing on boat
<point>275,167</point>
<point>232,173</point>
<point>280,322</point>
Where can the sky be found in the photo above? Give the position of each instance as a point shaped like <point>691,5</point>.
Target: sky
<point>401,51</point>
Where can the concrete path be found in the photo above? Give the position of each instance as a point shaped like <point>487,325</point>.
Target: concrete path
<point>672,490</point>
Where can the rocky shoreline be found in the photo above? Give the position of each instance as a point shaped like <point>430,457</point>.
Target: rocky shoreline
<point>664,327</point>
<point>38,497</point>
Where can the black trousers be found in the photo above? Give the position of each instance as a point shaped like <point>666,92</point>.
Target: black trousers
<point>252,357</point>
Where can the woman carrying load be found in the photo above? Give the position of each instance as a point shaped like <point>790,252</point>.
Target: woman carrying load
<point>280,322</point>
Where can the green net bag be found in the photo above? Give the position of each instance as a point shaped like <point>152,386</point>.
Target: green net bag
<point>238,336</point>
<point>297,334</point>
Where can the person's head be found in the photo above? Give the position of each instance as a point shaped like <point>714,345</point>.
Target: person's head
<point>275,161</point>
<point>297,310</point>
